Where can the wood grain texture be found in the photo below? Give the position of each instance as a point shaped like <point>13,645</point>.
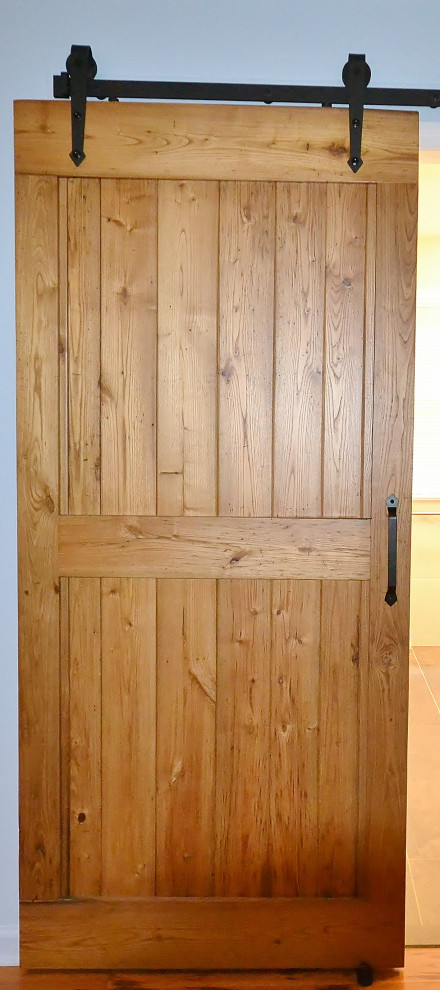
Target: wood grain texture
<point>343,483</point>
<point>364,776</point>
<point>344,350</point>
<point>213,547</point>
<point>64,696</point>
<point>262,933</point>
<point>299,342</point>
<point>187,486</point>
<point>84,344</point>
<point>246,306</point>
<point>128,737</point>
<point>392,466</point>
<point>63,357</point>
<point>38,493</point>
<point>246,301</point>
<point>297,481</point>
<point>295,733</point>
<point>339,738</point>
<point>303,144</point>
<point>83,455</point>
<point>187,348</point>
<point>128,346</point>
<point>243,739</point>
<point>63,399</point>
<point>85,737</point>
<point>128,390</point>
<point>369,330</point>
<point>186,684</point>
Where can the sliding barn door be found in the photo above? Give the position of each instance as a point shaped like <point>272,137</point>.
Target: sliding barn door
<point>215,372</point>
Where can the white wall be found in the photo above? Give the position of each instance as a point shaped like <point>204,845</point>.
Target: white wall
<point>245,40</point>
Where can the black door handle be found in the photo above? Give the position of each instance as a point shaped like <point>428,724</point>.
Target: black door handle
<point>392,503</point>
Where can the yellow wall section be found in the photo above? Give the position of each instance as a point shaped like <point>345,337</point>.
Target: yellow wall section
<point>425,557</point>
<point>425,576</point>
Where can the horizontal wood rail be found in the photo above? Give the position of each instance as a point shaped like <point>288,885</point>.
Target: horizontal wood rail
<point>213,547</point>
<point>162,141</point>
<point>249,933</point>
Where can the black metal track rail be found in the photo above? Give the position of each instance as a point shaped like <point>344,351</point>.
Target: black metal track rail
<point>126,89</point>
<point>79,83</point>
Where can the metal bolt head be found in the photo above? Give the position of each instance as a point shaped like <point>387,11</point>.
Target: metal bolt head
<point>77,156</point>
<point>77,115</point>
<point>355,123</point>
<point>355,163</point>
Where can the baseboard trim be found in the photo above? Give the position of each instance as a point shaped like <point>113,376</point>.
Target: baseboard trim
<point>9,946</point>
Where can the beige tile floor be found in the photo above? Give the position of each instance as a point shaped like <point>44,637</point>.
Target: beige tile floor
<point>423,843</point>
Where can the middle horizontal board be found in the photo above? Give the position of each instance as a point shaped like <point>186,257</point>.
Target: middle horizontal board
<point>214,547</point>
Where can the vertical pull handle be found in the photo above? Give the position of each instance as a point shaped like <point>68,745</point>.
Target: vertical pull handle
<point>392,503</point>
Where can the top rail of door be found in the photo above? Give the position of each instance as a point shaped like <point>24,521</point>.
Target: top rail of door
<point>219,142</point>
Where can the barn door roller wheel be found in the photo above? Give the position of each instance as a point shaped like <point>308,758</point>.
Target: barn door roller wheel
<point>364,975</point>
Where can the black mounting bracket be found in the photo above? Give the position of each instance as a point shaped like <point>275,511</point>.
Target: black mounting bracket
<point>356,75</point>
<point>81,67</point>
<point>79,83</point>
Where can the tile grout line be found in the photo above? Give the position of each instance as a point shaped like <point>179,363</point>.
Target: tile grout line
<point>426,682</point>
<point>414,889</point>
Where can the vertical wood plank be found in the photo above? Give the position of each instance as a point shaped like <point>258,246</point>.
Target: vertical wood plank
<point>186,649</point>
<point>84,362</point>
<point>370,303</point>
<point>297,491</point>
<point>344,481</point>
<point>63,359</point>
<point>187,357</point>
<point>187,485</point>
<point>246,310</point>
<point>344,350</point>
<point>243,739</point>
<point>364,768</point>
<point>129,737</point>
<point>128,345</point>
<point>85,737</point>
<point>299,337</point>
<point>128,448</point>
<point>392,473</point>
<point>339,722</point>
<point>38,494</point>
<point>64,737</point>
<point>295,726</point>
<point>64,506</point>
<point>84,496</point>
<point>298,435</point>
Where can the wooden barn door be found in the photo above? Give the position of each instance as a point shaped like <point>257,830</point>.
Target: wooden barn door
<point>215,372</point>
